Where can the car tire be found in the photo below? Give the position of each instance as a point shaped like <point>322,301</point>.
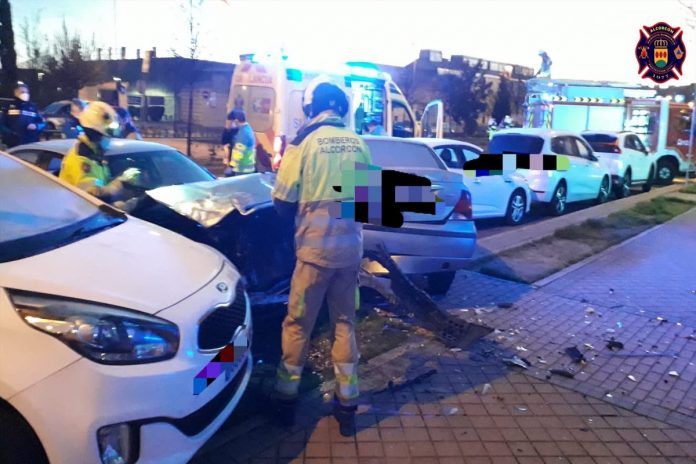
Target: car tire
<point>666,170</point>
<point>623,190</point>
<point>604,189</point>
<point>517,208</point>
<point>18,441</point>
<point>649,181</point>
<point>439,283</point>
<point>559,201</point>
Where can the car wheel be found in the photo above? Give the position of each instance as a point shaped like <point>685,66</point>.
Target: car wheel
<point>559,200</point>
<point>18,442</point>
<point>666,170</point>
<point>624,188</point>
<point>439,283</point>
<point>517,208</point>
<point>648,182</point>
<point>604,189</point>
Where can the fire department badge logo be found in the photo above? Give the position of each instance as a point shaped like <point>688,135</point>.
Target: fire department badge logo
<point>660,52</point>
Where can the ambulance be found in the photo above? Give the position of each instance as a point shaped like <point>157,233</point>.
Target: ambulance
<point>662,124</point>
<point>270,90</point>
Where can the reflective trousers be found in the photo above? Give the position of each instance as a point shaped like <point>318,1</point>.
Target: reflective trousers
<point>310,284</point>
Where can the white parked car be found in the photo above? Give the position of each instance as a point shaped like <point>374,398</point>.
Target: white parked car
<point>586,178</point>
<point>105,322</point>
<point>506,196</point>
<point>623,153</point>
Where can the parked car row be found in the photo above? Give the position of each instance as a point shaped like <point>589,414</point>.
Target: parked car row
<point>601,163</point>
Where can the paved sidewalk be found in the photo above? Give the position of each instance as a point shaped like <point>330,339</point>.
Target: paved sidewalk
<point>623,406</point>
<point>655,274</point>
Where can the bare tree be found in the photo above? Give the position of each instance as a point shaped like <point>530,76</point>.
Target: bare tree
<point>34,44</point>
<point>192,10</point>
<point>690,6</point>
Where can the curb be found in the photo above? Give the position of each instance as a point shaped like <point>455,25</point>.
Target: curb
<point>523,235</point>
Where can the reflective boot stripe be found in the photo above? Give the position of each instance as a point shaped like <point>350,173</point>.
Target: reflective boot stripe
<point>288,380</point>
<point>346,382</point>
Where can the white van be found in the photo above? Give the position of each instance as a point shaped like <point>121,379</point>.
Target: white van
<point>270,92</point>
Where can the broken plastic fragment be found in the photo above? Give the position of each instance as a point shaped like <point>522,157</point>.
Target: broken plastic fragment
<point>486,389</point>
<point>516,361</point>
<point>632,378</point>
<point>589,347</point>
<point>563,373</point>
<point>521,348</point>
<point>575,354</point>
<point>455,350</point>
<point>450,411</point>
<point>674,373</point>
<point>615,345</point>
<point>521,408</point>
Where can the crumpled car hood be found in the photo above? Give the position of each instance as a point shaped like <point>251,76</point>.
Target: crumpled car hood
<point>210,202</point>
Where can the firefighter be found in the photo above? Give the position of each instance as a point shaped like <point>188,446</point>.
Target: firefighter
<point>85,165</point>
<point>20,121</point>
<point>328,249</point>
<point>241,145</point>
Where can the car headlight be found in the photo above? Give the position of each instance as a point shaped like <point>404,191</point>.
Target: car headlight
<point>102,333</point>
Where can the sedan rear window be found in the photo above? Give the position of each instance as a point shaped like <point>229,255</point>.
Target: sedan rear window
<point>390,154</point>
<point>603,143</point>
<point>515,143</point>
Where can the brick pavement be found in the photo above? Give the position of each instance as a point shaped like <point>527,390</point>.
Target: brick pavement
<point>642,274</point>
<point>526,416</point>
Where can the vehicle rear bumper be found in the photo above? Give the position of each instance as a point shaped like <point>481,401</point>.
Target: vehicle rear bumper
<point>422,248</point>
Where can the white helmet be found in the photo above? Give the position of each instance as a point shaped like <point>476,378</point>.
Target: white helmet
<point>309,92</point>
<point>99,116</point>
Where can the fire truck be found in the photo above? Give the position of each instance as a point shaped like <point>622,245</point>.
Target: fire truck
<point>270,88</point>
<point>662,124</point>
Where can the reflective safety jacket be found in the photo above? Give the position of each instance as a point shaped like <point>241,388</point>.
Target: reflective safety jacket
<point>243,150</point>
<point>311,167</point>
<point>85,167</point>
<point>14,121</point>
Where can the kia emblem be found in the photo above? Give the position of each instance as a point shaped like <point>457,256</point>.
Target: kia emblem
<point>222,287</point>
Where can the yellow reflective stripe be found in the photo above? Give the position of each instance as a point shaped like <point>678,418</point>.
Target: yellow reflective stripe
<point>347,379</point>
<point>299,310</point>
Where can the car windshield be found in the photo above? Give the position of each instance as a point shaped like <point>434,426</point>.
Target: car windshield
<point>515,143</point>
<point>38,214</point>
<point>603,143</point>
<point>160,168</point>
<point>53,108</point>
<point>391,154</point>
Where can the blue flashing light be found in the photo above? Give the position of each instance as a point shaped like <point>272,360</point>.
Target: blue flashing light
<point>293,74</point>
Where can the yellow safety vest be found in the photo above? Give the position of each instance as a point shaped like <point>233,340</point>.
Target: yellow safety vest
<point>310,168</point>
<point>83,172</point>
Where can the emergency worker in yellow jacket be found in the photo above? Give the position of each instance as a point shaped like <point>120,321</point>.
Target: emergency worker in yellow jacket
<point>328,249</point>
<point>240,145</point>
<point>85,165</point>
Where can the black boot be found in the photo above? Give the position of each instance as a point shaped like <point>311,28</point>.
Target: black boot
<point>285,412</point>
<point>345,416</point>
